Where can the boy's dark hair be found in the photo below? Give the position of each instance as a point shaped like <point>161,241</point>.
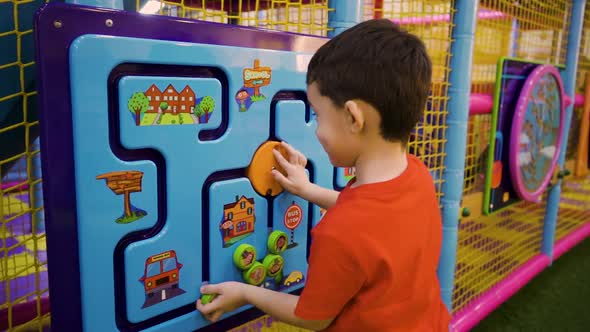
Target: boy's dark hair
<point>377,62</point>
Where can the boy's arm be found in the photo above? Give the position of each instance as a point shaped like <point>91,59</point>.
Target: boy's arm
<point>281,306</point>
<point>323,197</point>
<point>334,277</point>
<point>297,182</point>
<point>232,295</point>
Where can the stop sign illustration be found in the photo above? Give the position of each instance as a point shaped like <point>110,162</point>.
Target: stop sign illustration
<point>293,216</point>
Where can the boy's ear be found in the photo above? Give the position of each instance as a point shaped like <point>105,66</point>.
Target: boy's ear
<point>354,116</point>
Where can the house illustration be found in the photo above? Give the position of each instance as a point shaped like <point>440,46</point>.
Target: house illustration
<point>238,220</point>
<point>174,102</point>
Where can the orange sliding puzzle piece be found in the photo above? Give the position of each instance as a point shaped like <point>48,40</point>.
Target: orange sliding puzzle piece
<point>259,171</point>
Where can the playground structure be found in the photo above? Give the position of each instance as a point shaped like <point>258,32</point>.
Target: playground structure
<point>487,255</point>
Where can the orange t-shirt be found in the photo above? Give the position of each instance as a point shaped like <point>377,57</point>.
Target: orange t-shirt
<point>374,256</point>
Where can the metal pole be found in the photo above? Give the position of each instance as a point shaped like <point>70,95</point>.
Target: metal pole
<point>569,81</point>
<point>463,36</point>
<point>344,15</point>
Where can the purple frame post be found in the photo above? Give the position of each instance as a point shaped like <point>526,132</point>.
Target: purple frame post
<point>518,121</point>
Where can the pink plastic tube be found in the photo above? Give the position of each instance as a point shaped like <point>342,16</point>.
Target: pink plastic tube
<point>471,315</point>
<point>481,103</point>
<point>15,185</point>
<point>23,312</point>
<point>482,15</point>
<point>579,100</point>
<point>564,245</point>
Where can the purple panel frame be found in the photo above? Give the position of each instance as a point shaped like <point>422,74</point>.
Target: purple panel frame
<point>57,25</point>
<point>519,116</point>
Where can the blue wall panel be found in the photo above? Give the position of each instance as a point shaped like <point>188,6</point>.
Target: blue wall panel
<point>163,133</point>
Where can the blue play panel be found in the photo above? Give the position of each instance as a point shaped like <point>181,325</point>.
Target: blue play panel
<point>149,129</point>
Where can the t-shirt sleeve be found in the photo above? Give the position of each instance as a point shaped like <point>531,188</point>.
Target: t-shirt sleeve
<point>334,277</point>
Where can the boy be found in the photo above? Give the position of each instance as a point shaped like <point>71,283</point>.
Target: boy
<point>373,257</point>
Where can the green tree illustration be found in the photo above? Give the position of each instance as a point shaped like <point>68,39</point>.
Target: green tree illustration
<point>138,104</point>
<point>207,105</point>
<point>163,106</point>
<point>198,113</point>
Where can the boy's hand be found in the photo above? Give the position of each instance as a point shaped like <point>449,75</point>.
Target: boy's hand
<point>296,182</point>
<point>230,296</point>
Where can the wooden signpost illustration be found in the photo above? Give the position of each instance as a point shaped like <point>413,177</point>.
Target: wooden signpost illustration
<point>256,78</point>
<point>125,183</point>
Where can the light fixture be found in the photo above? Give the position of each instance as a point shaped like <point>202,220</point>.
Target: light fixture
<point>151,7</point>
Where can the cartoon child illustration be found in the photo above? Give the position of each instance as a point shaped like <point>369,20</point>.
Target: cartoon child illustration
<point>541,90</point>
<point>247,257</point>
<point>257,275</point>
<point>281,242</point>
<point>241,97</point>
<point>544,139</point>
<point>275,267</point>
<point>540,118</point>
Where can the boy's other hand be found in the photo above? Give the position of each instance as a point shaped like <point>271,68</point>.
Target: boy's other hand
<point>296,181</point>
<point>230,296</point>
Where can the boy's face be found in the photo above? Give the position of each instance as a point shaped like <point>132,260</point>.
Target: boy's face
<point>332,128</point>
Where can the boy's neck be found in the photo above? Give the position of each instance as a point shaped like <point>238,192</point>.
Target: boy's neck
<point>379,162</point>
